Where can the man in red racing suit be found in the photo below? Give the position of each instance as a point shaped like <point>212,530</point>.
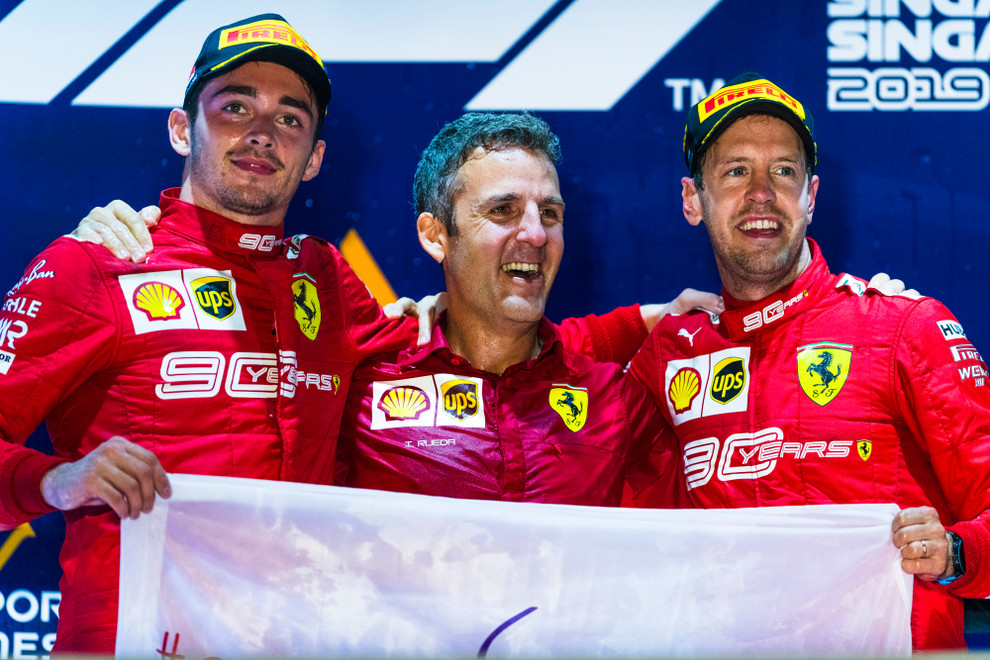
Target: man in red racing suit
<point>226,353</point>
<point>844,396</point>
<point>811,388</point>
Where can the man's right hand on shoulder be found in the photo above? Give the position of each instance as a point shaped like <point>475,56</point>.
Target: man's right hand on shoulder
<point>118,473</point>
<point>120,229</point>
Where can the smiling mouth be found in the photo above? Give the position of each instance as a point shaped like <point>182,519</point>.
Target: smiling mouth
<point>760,227</point>
<point>523,270</point>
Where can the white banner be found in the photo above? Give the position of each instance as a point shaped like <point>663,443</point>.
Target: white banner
<point>237,567</point>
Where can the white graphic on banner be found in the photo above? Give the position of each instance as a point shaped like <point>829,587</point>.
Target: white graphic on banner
<point>593,54</point>
<point>930,33</point>
<point>244,568</point>
<point>64,39</point>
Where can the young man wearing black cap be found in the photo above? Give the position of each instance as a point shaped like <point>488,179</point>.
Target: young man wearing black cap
<point>222,354</point>
<point>812,388</point>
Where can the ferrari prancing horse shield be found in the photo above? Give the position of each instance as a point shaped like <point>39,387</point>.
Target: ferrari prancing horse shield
<point>571,403</point>
<point>823,369</point>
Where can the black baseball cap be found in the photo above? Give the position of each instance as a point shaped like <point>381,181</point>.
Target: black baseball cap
<point>746,94</point>
<point>262,38</point>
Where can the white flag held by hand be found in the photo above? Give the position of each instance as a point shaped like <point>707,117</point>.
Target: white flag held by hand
<point>237,567</point>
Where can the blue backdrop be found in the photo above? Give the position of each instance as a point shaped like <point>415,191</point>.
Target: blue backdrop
<point>898,90</point>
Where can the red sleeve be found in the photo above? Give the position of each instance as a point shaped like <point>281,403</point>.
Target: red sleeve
<point>654,473</point>
<point>57,327</point>
<point>613,337</point>
<point>645,368</point>
<point>370,330</point>
<point>944,396</point>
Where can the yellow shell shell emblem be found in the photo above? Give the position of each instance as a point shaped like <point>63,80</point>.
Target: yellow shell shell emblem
<point>159,301</point>
<point>571,403</point>
<point>684,387</point>
<point>306,305</point>
<point>823,369</point>
<point>404,402</point>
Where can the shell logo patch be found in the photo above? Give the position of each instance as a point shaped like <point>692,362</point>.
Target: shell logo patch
<point>571,403</point>
<point>864,448</point>
<point>460,398</point>
<point>404,402</point>
<point>823,369</point>
<point>162,295</point>
<point>684,387</point>
<point>708,384</point>
<point>213,296</point>
<point>159,301</point>
<point>306,305</point>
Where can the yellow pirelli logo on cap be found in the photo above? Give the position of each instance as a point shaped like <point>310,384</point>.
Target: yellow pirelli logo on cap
<point>266,32</point>
<point>756,89</point>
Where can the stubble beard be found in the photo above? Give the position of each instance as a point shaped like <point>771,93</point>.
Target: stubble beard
<point>243,201</point>
<point>765,266</point>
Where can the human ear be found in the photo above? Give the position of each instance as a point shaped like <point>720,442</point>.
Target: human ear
<point>315,160</point>
<point>432,236</point>
<point>691,203</point>
<point>812,194</point>
<point>180,132</point>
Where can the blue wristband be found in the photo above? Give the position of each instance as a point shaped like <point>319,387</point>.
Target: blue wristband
<point>958,561</point>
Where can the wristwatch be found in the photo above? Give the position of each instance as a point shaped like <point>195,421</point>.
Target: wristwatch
<point>957,559</point>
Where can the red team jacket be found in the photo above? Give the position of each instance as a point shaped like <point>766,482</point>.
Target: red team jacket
<point>559,428</point>
<point>828,393</point>
<point>224,354</point>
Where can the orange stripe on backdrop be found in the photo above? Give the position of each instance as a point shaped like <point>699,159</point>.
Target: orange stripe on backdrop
<point>360,259</point>
<point>18,534</point>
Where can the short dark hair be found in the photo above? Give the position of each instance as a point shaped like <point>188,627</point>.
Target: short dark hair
<point>435,183</point>
<point>191,104</point>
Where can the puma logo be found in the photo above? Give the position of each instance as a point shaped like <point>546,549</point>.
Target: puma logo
<point>690,335</point>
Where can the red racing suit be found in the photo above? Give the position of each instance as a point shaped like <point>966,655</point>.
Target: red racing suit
<point>226,353</point>
<point>559,428</point>
<point>826,392</point>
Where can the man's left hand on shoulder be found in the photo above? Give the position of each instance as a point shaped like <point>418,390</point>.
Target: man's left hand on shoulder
<point>883,283</point>
<point>425,310</point>
<point>686,300</point>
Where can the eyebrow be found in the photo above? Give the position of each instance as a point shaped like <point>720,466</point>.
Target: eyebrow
<point>554,200</point>
<point>247,90</point>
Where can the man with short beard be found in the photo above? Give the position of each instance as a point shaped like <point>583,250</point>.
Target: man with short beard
<point>813,388</point>
<point>224,353</point>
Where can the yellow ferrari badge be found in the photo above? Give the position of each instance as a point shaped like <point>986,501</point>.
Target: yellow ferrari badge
<point>864,448</point>
<point>306,304</point>
<point>823,369</point>
<point>571,403</point>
